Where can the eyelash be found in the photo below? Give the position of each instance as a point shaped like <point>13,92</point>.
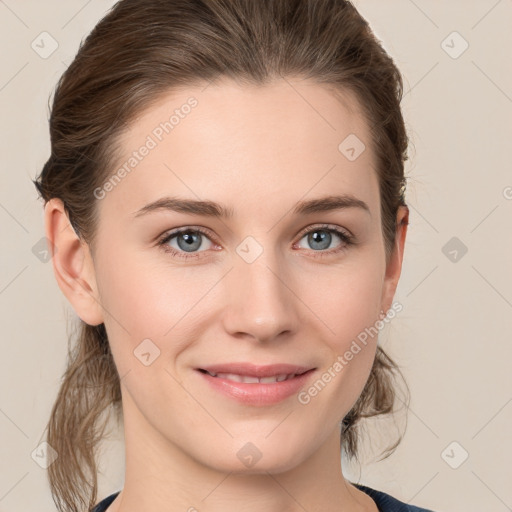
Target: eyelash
<point>345,237</point>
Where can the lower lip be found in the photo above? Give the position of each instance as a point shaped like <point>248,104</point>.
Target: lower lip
<point>258,394</point>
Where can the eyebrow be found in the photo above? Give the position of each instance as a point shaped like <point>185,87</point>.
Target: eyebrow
<point>216,210</point>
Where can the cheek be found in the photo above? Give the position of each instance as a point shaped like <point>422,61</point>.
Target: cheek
<point>346,298</point>
<point>148,297</point>
<point>151,301</point>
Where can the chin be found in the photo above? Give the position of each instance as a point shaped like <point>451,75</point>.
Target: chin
<point>248,459</point>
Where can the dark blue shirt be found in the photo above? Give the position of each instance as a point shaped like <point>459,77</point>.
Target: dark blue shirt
<point>384,502</point>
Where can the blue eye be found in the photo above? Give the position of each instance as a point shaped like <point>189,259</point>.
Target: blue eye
<point>189,240</point>
<point>321,237</point>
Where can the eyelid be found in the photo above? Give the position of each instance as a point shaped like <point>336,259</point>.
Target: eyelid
<point>345,235</point>
<point>209,233</point>
<point>176,231</point>
<point>333,227</point>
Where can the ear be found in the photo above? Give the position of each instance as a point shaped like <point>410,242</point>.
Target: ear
<point>72,263</point>
<point>394,266</point>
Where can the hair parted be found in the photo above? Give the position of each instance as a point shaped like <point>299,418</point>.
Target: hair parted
<point>138,52</point>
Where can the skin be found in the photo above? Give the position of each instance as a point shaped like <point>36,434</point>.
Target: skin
<point>258,150</point>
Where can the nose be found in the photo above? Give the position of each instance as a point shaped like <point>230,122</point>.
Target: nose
<point>260,302</point>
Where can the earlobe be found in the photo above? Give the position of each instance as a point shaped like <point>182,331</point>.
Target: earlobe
<point>72,264</point>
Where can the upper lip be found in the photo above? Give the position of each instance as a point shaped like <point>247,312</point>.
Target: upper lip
<point>253,370</point>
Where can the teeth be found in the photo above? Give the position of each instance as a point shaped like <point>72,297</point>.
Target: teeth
<point>229,376</point>
<point>270,380</point>
<point>253,380</point>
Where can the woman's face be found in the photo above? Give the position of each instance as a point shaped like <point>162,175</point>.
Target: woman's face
<point>256,288</point>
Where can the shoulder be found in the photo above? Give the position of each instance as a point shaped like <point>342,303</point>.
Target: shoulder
<point>102,505</point>
<point>387,503</point>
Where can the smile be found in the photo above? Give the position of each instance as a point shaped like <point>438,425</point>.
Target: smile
<point>255,385</point>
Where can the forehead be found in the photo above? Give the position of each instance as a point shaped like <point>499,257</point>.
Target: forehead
<point>241,144</point>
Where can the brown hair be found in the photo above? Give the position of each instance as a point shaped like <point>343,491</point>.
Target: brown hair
<point>143,49</point>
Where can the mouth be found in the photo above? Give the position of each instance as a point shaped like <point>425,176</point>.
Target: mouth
<point>256,385</point>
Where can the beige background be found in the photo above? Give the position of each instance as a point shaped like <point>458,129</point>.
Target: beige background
<point>452,338</point>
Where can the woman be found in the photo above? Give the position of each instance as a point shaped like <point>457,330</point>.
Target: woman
<point>225,205</point>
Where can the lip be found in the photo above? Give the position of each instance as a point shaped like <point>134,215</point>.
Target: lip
<point>257,394</point>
